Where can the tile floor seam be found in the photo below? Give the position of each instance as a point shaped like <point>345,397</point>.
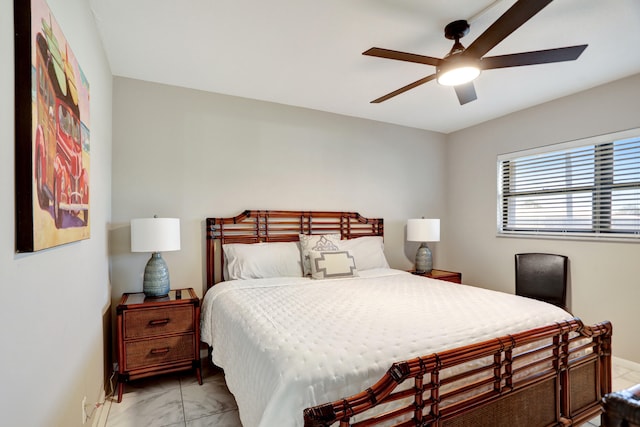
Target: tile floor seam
<point>184,412</point>
<point>214,413</point>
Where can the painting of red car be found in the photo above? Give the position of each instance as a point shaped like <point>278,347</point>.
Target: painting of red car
<point>52,133</point>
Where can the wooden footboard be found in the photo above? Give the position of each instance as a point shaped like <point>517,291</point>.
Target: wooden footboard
<point>549,376</point>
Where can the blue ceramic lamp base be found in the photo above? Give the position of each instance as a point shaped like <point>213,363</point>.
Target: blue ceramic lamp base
<point>156,277</point>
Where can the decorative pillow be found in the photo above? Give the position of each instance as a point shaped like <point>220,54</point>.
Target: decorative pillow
<point>332,264</point>
<point>262,260</point>
<point>316,242</point>
<point>368,251</point>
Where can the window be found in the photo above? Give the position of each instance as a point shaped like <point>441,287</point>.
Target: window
<point>587,188</point>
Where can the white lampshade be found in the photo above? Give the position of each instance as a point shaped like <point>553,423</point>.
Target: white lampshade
<point>155,234</point>
<point>423,230</point>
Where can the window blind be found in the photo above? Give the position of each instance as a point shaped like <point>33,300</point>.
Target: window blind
<point>583,188</point>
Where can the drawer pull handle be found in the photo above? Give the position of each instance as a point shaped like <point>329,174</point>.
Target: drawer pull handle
<point>160,350</point>
<point>158,322</point>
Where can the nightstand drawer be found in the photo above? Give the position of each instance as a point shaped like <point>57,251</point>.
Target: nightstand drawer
<point>162,350</point>
<point>158,321</point>
<point>157,335</point>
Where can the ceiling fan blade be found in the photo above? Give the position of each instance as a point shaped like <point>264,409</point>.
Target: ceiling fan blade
<point>402,56</point>
<point>466,93</point>
<point>404,89</point>
<point>511,20</point>
<point>547,56</point>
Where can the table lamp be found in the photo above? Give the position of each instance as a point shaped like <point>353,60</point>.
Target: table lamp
<point>423,230</point>
<point>155,235</point>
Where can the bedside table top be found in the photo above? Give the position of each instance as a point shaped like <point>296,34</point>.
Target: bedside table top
<point>131,299</point>
<point>449,276</point>
<point>435,273</point>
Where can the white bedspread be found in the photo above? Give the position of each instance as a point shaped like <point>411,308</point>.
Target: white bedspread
<point>290,343</point>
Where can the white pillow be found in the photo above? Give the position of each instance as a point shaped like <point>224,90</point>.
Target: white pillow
<point>368,251</point>
<point>262,260</point>
<point>332,264</point>
<point>316,242</point>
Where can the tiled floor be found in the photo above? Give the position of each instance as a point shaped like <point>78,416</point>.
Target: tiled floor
<point>624,374</point>
<point>178,400</point>
<point>175,400</point>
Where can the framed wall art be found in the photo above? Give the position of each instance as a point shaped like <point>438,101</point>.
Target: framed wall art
<point>52,133</point>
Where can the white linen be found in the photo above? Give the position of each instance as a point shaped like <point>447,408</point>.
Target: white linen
<point>290,343</point>
<point>262,260</point>
<point>367,250</point>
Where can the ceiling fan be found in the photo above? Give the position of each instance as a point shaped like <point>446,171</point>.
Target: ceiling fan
<point>462,65</point>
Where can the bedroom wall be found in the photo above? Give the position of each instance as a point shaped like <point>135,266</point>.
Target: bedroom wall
<point>53,301</point>
<point>191,154</point>
<point>604,276</point>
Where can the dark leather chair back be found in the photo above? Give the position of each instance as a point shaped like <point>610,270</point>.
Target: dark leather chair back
<point>543,277</point>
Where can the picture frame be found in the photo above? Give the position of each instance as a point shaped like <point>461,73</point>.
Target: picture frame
<point>52,137</point>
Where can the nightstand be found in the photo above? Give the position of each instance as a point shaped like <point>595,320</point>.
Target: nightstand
<point>157,335</point>
<point>449,276</point>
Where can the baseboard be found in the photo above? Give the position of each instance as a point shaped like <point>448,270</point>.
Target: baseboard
<point>101,412</point>
<point>626,363</point>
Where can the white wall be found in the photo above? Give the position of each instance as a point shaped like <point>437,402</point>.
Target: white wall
<point>190,154</point>
<point>604,276</point>
<point>52,303</point>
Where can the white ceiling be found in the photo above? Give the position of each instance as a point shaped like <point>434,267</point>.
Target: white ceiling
<point>308,53</point>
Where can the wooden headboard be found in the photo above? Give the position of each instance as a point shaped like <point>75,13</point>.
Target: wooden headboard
<point>280,226</point>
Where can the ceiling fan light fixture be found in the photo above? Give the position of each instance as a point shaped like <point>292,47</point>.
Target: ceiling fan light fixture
<point>461,66</point>
<point>454,76</point>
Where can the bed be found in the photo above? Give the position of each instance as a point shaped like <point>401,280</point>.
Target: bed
<point>381,346</point>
